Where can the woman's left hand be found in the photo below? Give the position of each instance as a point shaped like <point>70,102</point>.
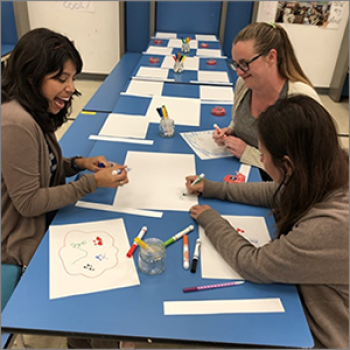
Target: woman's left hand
<point>196,210</point>
<point>235,145</point>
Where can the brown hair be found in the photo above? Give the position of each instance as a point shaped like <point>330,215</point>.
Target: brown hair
<point>266,37</point>
<point>300,128</point>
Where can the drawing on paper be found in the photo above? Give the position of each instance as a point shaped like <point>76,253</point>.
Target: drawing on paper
<point>204,146</point>
<point>88,254</point>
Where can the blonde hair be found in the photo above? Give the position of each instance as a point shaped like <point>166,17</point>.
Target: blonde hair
<point>273,36</point>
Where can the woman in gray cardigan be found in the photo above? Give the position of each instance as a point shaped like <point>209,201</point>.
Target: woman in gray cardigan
<point>267,70</point>
<point>309,197</point>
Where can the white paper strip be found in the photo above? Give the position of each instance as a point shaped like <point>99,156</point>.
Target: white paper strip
<point>106,207</point>
<point>244,169</point>
<point>210,307</point>
<point>120,139</point>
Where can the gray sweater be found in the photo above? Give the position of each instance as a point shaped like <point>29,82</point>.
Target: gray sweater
<point>314,255</point>
<point>25,178</point>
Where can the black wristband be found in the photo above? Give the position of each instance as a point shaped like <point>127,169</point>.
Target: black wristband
<point>73,165</point>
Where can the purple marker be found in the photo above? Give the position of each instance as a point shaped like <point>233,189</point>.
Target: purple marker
<point>212,286</point>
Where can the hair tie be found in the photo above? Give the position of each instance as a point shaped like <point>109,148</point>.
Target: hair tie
<point>272,25</point>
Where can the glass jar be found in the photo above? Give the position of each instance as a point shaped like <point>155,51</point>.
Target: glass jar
<point>185,47</point>
<point>152,258</point>
<point>178,67</point>
<point>166,127</point>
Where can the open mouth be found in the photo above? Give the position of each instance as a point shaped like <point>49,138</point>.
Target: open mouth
<point>60,102</point>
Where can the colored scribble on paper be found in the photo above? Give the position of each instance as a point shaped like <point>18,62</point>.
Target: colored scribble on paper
<point>88,254</point>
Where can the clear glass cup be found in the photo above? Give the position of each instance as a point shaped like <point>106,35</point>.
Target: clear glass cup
<point>166,127</point>
<point>185,47</point>
<point>178,67</point>
<point>152,260</point>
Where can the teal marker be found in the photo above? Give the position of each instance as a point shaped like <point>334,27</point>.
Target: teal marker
<point>199,179</point>
<point>178,235</point>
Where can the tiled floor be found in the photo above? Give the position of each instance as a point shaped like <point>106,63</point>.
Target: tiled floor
<point>340,112</point>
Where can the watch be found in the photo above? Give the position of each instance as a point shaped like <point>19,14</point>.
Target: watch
<point>73,165</point>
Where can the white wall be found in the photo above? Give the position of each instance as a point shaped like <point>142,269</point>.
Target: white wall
<point>316,48</point>
<point>93,25</point>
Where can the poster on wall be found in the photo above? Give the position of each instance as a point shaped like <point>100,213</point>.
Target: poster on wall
<point>324,14</point>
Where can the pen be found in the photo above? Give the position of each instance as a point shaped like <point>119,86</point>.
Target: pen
<point>199,179</point>
<point>118,171</point>
<point>134,245</point>
<point>186,259</point>
<point>179,235</point>
<point>143,244</point>
<point>212,286</point>
<point>196,253</point>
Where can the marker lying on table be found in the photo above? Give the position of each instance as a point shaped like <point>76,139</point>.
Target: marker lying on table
<point>178,235</point>
<point>212,286</point>
<point>196,253</point>
<point>186,259</point>
<point>134,245</point>
<point>199,179</point>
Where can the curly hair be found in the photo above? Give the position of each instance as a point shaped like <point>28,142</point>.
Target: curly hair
<point>38,53</point>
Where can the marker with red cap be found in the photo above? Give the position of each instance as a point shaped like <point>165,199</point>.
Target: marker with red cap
<point>134,245</point>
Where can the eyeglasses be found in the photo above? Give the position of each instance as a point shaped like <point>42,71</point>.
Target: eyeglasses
<point>243,66</point>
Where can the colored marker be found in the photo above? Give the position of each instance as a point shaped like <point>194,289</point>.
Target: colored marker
<point>118,171</point>
<point>134,245</point>
<point>159,110</point>
<point>212,286</point>
<point>102,165</point>
<point>196,253</point>
<point>219,130</point>
<point>199,179</point>
<point>183,58</point>
<point>186,259</point>
<point>143,244</point>
<point>179,235</point>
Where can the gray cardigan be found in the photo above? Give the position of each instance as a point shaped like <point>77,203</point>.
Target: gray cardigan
<point>25,176</point>
<point>314,255</point>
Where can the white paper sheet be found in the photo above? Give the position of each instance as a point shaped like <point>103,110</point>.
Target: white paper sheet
<point>165,35</point>
<point>120,139</point>
<point>204,146</point>
<point>122,125</point>
<point>145,88</point>
<point>178,43</point>
<point>157,182</point>
<point>211,307</point>
<point>147,72</point>
<point>154,50</point>
<point>107,207</point>
<point>207,76</point>
<point>200,37</point>
<point>190,63</point>
<point>184,111</point>
<point>252,228</point>
<point>90,257</point>
<point>209,53</point>
<point>216,93</point>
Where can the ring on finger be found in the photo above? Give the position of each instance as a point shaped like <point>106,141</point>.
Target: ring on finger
<point>121,183</point>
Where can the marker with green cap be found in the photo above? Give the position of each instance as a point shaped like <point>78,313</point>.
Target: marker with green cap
<point>178,235</point>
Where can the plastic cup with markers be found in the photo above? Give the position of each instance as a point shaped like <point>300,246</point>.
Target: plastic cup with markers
<point>186,45</point>
<point>178,67</point>
<point>167,125</point>
<point>152,256</point>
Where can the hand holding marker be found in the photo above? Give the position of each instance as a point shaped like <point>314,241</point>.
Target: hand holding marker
<point>178,235</point>
<point>219,131</point>
<point>199,179</point>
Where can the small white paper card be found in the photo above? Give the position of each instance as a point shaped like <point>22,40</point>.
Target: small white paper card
<point>212,307</point>
<point>146,72</point>
<point>220,77</point>
<point>90,257</point>
<point>252,228</point>
<point>204,146</point>
<point>190,63</point>
<point>178,43</point>
<point>157,182</point>
<point>200,37</point>
<point>122,125</point>
<point>209,53</point>
<point>184,111</point>
<point>154,50</point>
<point>216,93</point>
<point>145,88</point>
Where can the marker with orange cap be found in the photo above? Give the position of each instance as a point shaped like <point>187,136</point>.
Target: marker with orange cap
<point>186,259</point>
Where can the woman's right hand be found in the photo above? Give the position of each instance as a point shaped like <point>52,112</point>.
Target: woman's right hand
<point>106,178</point>
<point>195,189</point>
<point>219,136</point>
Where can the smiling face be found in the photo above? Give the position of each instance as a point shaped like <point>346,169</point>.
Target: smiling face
<point>59,89</point>
<point>244,51</point>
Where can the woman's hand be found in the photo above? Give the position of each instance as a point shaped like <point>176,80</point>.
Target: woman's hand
<point>219,136</point>
<point>235,145</point>
<point>196,210</point>
<point>194,189</point>
<point>92,163</point>
<point>107,177</point>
